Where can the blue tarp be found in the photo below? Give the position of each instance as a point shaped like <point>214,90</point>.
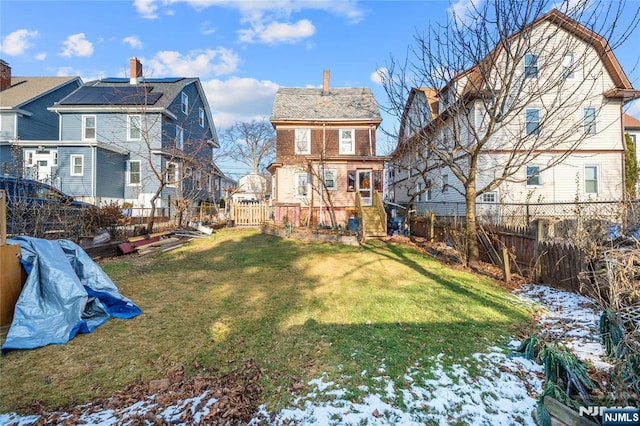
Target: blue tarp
<point>65,293</point>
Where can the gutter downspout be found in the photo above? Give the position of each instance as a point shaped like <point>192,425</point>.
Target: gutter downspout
<point>94,177</point>
<point>370,143</point>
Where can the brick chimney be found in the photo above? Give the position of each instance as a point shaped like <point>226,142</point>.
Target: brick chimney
<point>325,83</point>
<point>136,71</point>
<point>5,75</point>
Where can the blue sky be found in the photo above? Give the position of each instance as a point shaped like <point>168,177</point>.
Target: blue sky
<point>242,51</point>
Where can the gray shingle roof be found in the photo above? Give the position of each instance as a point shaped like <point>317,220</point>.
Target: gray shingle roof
<point>306,104</point>
<point>25,89</point>
<point>115,92</point>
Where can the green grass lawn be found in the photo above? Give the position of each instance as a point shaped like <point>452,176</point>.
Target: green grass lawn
<point>297,309</point>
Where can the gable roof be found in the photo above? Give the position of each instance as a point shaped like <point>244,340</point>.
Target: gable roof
<point>27,89</point>
<point>630,122</point>
<point>624,89</point>
<point>336,104</point>
<point>119,92</point>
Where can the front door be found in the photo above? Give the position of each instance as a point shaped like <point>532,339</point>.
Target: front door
<point>364,186</point>
<point>41,163</point>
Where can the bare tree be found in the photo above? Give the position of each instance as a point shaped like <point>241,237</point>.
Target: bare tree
<point>503,85</point>
<point>251,143</point>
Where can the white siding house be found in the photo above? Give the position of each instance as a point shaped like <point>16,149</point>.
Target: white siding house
<point>555,135</point>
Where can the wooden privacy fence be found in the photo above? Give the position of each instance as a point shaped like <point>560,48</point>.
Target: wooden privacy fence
<point>556,264</point>
<point>249,214</point>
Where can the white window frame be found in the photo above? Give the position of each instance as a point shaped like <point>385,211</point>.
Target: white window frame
<point>329,173</point>
<point>28,157</point>
<point>590,121</point>
<point>344,141</point>
<point>302,136</point>
<point>534,175</point>
<point>529,71</point>
<point>420,196</point>
<point>298,186</point>
<point>597,179</point>
<point>490,197</point>
<point>85,128</point>
<point>184,103</point>
<point>198,179</point>
<point>176,174</point>
<point>536,131</point>
<point>201,117</point>
<point>179,137</point>
<point>72,161</point>
<point>568,66</point>
<point>129,173</point>
<point>54,157</point>
<point>131,127</point>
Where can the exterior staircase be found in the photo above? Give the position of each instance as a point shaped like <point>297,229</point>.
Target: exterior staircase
<point>373,224</point>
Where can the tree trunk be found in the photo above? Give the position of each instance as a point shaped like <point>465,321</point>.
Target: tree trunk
<point>471,235</point>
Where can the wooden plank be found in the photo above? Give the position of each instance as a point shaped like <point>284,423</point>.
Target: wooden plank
<point>10,281</point>
<point>145,237</point>
<point>130,247</point>
<point>3,217</point>
<point>564,414</point>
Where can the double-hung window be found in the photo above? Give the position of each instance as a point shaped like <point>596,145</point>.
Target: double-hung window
<point>302,141</point>
<point>185,103</point>
<point>445,183</point>
<point>302,185</point>
<point>347,141</point>
<point>77,165</point>
<point>532,120</point>
<point>133,127</point>
<point>490,197</point>
<point>533,176</point>
<point>530,65</point>
<point>568,69</point>
<point>172,174</point>
<point>89,127</point>
<point>179,137</point>
<point>330,179</point>
<point>589,121</point>
<point>201,117</point>
<point>591,179</point>
<point>134,176</point>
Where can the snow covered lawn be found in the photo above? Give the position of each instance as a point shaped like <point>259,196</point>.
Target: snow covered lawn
<point>490,388</point>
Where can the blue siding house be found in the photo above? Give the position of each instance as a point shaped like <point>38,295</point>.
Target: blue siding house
<point>137,141</point>
<point>26,121</point>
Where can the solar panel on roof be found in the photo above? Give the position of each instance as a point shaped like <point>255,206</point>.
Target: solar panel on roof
<point>164,80</point>
<point>122,95</point>
<point>115,80</point>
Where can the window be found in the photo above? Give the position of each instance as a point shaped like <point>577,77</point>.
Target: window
<point>302,185</point>
<point>490,197</point>
<point>303,141</point>
<point>568,66</point>
<point>88,127</point>
<point>28,158</point>
<point>351,180</point>
<point>419,191</point>
<point>55,158</point>
<point>185,103</point>
<point>201,117</point>
<point>445,183</point>
<point>330,181</point>
<point>179,137</point>
<point>533,175</point>
<point>77,165</point>
<point>377,180</point>
<point>591,179</point>
<point>346,141</point>
<point>532,118</point>
<point>530,65</point>
<point>198,179</point>
<point>172,174</point>
<point>133,127</point>
<point>589,121</point>
<point>133,172</point>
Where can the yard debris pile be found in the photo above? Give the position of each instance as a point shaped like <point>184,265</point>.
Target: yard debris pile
<point>175,399</point>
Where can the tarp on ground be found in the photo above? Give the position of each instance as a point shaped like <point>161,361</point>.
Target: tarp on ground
<point>65,293</point>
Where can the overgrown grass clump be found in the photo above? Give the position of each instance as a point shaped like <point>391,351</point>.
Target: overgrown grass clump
<point>297,309</point>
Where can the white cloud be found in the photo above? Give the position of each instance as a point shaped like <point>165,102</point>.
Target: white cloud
<point>146,8</point>
<point>199,63</point>
<point>77,45</point>
<point>239,99</point>
<point>379,75</point>
<point>133,41</point>
<point>464,10</point>
<point>277,32</point>
<point>17,42</point>
<point>206,28</point>
<point>41,56</point>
